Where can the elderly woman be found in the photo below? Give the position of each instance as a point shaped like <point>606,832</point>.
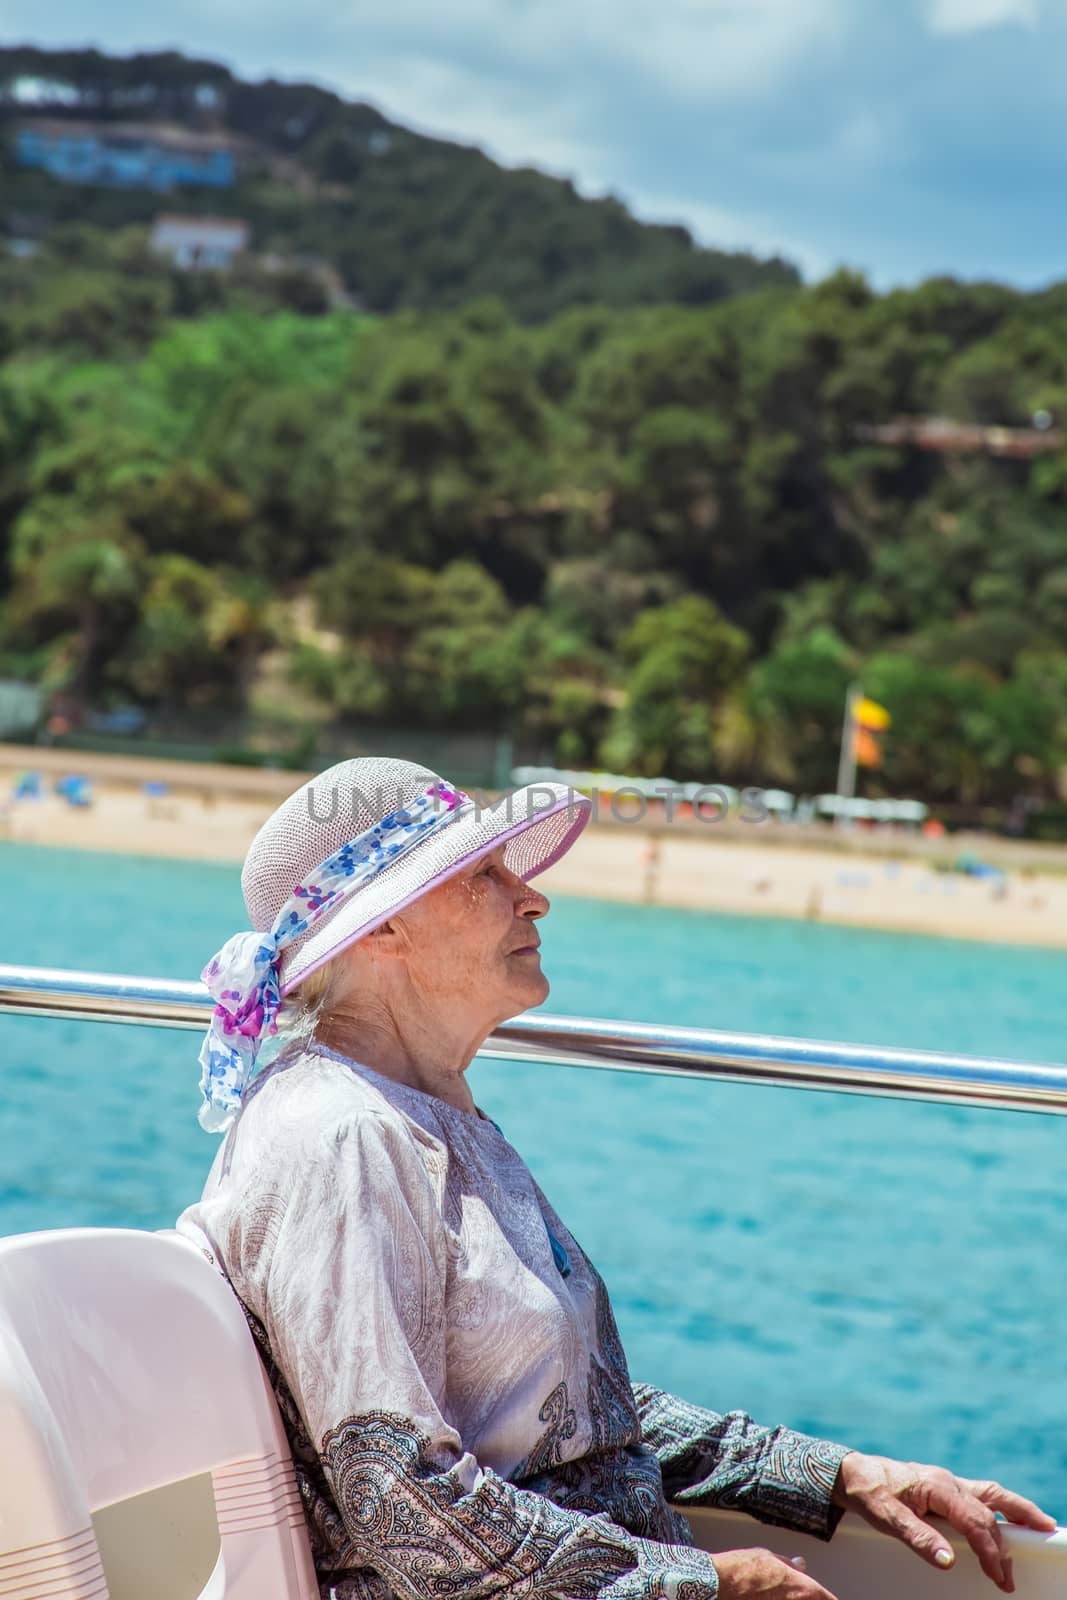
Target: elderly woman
<point>443,1352</point>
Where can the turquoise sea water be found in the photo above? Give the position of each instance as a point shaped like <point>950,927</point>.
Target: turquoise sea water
<point>890,1275</point>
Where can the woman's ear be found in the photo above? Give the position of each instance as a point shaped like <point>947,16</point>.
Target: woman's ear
<point>389,939</point>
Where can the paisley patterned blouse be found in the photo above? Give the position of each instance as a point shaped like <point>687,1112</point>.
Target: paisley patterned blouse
<point>448,1366</point>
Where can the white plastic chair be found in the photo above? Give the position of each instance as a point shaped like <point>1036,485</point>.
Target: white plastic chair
<point>128,1375</point>
<point>142,1456</point>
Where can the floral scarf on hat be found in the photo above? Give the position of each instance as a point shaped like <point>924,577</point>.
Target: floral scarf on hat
<point>243,976</point>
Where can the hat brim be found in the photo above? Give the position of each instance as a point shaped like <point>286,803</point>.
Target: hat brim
<point>535,835</point>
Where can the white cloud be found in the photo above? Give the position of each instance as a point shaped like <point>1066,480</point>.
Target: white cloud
<point>506,118</point>
<point>968,16</point>
<point>543,83</point>
<point>730,48</point>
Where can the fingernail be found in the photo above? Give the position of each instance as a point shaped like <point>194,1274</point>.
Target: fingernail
<point>944,1558</point>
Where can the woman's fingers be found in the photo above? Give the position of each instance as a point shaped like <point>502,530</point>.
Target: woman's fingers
<point>972,1508</point>
<point>802,1587</point>
<point>896,1518</point>
<point>1013,1507</point>
<point>976,1519</point>
<point>985,1535</point>
<point>968,1516</point>
<point>748,1574</point>
<point>811,1589</point>
<point>896,1496</point>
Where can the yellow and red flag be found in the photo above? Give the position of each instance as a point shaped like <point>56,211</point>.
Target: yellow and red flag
<point>870,715</point>
<point>868,750</point>
<point>870,719</point>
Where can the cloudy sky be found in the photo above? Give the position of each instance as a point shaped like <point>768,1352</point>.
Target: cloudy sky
<point>905,137</point>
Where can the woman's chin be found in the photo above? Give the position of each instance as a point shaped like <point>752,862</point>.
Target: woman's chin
<point>531,984</point>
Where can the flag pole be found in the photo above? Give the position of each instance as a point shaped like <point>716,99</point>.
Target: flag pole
<point>846,766</point>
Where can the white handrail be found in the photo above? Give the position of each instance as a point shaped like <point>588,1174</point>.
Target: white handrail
<point>592,1042</point>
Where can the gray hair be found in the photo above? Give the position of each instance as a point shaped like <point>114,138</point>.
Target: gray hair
<point>313,1000</point>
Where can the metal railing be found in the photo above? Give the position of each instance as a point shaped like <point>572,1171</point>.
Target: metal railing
<point>589,1042</point>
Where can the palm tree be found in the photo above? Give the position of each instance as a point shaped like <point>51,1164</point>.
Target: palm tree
<point>244,619</point>
<point>92,577</point>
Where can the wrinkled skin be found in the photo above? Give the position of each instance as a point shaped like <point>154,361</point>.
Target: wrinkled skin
<point>748,1574</point>
<point>895,1497</point>
<point>430,985</point>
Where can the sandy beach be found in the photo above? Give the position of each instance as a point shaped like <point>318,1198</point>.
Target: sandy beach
<point>212,813</point>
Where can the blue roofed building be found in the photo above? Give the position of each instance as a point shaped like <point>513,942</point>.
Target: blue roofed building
<point>126,155</point>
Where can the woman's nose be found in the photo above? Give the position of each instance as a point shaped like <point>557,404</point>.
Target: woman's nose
<point>533,903</point>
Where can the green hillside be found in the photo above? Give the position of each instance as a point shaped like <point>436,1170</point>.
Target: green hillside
<point>662,538</point>
<point>409,221</point>
<point>657,540</point>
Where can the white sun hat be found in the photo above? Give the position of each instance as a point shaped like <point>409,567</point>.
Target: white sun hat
<point>537,825</point>
<point>348,850</point>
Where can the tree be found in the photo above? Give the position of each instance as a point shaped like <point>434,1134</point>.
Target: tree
<point>797,694</point>
<point>652,534</point>
<point>188,511</point>
<point>598,598</point>
<point>89,577</point>
<point>242,621</point>
<point>943,721</point>
<point>170,655</point>
<point>683,658</point>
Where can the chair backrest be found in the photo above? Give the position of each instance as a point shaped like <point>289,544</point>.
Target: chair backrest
<point>126,1365</point>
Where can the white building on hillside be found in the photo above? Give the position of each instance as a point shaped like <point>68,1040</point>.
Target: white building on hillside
<point>199,244</point>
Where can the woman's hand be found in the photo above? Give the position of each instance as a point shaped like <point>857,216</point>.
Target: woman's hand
<point>895,1496</point>
<point>750,1573</point>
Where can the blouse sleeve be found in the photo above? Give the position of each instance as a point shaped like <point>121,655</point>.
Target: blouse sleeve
<point>351,1274</point>
<point>773,1474</point>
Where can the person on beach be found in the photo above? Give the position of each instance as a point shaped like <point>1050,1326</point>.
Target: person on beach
<point>443,1352</point>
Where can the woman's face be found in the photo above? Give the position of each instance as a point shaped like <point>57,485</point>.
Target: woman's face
<point>473,942</point>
